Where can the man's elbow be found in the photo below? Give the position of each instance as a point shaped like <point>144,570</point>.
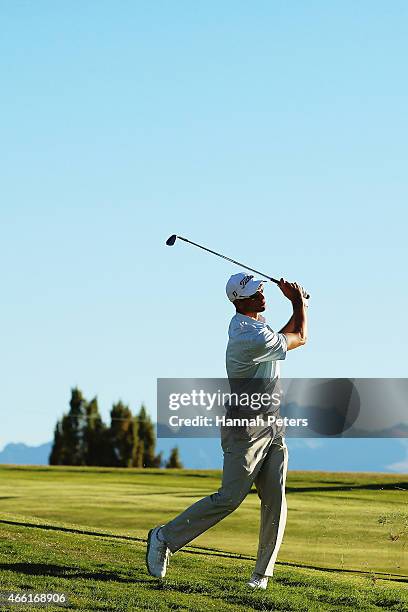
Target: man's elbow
<point>301,341</point>
<point>295,340</point>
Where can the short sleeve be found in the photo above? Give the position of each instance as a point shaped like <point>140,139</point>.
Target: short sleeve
<point>269,346</point>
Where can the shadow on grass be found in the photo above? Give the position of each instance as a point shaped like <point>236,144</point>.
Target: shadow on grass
<point>65,571</point>
<point>395,486</point>
<point>47,527</point>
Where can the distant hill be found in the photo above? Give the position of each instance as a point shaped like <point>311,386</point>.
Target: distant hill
<point>337,455</point>
<point>348,455</point>
<point>22,454</point>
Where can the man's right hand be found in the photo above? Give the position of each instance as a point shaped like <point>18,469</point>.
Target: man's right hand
<point>293,291</point>
<point>296,328</point>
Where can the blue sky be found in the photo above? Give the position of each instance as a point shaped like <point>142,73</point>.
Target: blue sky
<point>273,132</point>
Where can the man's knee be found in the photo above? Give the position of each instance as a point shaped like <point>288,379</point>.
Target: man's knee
<point>229,500</point>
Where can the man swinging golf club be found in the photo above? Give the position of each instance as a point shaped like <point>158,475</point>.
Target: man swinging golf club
<point>251,455</point>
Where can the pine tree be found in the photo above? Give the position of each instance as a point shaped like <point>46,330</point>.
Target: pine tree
<point>56,451</point>
<point>71,432</point>
<point>158,460</point>
<point>122,438</point>
<point>138,453</point>
<point>174,459</point>
<point>82,438</point>
<point>94,436</point>
<point>146,443</point>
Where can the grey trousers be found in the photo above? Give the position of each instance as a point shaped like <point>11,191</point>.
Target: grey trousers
<point>250,456</point>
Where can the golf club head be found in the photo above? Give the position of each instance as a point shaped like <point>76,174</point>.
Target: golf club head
<point>170,241</point>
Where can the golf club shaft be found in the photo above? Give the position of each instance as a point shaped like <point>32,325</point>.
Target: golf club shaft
<point>274,280</point>
<point>171,240</point>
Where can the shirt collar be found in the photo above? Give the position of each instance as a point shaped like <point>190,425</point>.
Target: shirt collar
<point>245,318</point>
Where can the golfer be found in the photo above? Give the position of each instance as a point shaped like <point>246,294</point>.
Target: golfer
<point>252,455</point>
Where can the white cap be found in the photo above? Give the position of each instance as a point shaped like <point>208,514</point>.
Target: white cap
<point>242,285</point>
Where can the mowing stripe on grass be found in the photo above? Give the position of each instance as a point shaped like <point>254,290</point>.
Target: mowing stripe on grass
<point>200,550</point>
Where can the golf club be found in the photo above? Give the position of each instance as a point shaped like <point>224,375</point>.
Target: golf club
<point>172,239</point>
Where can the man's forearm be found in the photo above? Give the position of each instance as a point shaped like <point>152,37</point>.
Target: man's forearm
<point>289,327</point>
<point>297,323</point>
<point>300,318</point>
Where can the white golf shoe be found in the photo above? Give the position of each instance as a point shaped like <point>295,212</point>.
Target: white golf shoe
<point>157,554</point>
<point>258,582</point>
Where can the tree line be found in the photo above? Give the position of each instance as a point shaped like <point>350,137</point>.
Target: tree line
<point>82,438</point>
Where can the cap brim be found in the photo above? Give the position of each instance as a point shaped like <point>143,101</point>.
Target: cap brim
<point>250,288</point>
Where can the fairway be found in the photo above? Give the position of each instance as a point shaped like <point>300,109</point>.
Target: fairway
<point>82,531</point>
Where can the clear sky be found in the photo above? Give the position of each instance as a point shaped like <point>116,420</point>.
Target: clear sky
<point>274,132</point>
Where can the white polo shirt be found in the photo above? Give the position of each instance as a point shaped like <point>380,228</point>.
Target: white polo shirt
<point>253,353</point>
<point>254,349</point>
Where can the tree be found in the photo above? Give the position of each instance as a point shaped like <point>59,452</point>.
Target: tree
<point>174,459</point>
<point>56,451</point>
<point>122,436</point>
<point>68,448</point>
<point>82,438</point>
<point>146,442</point>
<point>96,449</point>
<point>138,453</point>
<point>158,460</point>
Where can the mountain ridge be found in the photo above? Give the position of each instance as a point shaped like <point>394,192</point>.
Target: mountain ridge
<point>337,455</point>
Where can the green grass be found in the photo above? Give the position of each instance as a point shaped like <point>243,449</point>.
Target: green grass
<point>82,531</point>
